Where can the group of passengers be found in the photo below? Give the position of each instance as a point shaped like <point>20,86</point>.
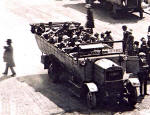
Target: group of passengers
<point>71,34</point>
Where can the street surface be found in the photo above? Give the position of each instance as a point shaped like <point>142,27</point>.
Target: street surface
<point>31,92</point>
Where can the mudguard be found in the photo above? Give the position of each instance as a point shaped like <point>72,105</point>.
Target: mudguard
<point>92,87</point>
<point>134,82</point>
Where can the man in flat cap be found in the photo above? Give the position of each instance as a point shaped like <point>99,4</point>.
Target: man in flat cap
<point>143,73</point>
<point>8,58</point>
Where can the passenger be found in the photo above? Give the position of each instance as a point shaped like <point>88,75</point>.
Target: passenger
<point>86,37</point>
<point>71,30</point>
<point>51,40</point>
<point>61,45</point>
<point>108,38</point>
<point>46,36</point>
<point>102,37</point>
<point>55,38</point>
<point>79,30</point>
<point>125,37</point>
<point>66,39</point>
<point>60,38</point>
<point>92,39</point>
<point>41,29</point>
<point>73,40</point>
<point>96,35</point>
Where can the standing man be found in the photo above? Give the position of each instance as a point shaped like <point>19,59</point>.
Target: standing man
<point>125,37</point>
<point>130,42</point>
<point>8,58</point>
<point>90,20</point>
<point>143,73</point>
<point>143,47</point>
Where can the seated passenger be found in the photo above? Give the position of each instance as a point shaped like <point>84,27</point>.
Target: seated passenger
<point>96,35</point>
<point>51,40</point>
<point>109,38</point>
<point>102,37</point>
<point>61,45</point>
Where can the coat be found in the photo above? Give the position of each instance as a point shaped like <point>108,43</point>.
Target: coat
<point>8,56</point>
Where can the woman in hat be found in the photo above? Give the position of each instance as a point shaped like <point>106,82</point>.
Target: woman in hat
<point>108,38</point>
<point>8,58</point>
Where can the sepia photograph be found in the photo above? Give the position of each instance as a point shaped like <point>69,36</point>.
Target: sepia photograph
<point>75,57</point>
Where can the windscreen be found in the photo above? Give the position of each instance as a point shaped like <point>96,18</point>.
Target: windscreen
<point>116,48</point>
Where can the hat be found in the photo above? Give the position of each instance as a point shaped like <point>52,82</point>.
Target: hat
<point>124,27</point>
<point>136,42</point>
<point>9,41</point>
<point>130,31</point>
<point>88,5</point>
<point>72,27</point>
<point>107,32</point>
<point>142,54</point>
<point>96,34</point>
<point>81,27</point>
<point>148,34</point>
<point>143,39</point>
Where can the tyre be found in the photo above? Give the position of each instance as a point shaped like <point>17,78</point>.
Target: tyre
<point>132,98</point>
<point>53,74</point>
<point>91,100</point>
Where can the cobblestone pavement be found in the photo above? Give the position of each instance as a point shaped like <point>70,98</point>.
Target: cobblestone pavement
<point>37,95</point>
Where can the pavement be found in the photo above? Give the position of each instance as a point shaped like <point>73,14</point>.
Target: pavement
<point>37,95</point>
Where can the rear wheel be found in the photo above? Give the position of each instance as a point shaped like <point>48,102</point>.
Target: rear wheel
<point>91,100</point>
<point>52,73</point>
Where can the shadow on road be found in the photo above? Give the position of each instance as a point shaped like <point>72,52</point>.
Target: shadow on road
<point>60,95</point>
<point>104,15</point>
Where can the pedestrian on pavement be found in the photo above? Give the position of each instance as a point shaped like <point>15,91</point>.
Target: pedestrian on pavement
<point>125,37</point>
<point>143,73</point>
<point>8,58</point>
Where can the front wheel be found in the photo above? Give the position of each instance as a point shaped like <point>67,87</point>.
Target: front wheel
<point>132,97</point>
<point>141,14</point>
<point>91,100</point>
